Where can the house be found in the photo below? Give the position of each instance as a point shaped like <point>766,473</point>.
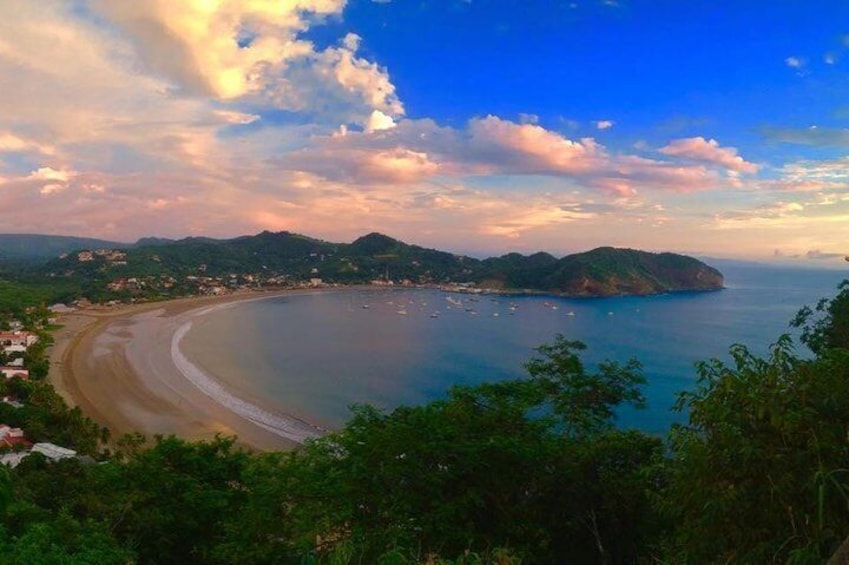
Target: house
<point>12,459</point>
<point>17,340</point>
<point>12,401</point>
<point>11,438</point>
<point>52,451</point>
<point>60,308</point>
<point>12,372</point>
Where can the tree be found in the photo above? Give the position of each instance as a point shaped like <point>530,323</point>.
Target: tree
<point>531,464</point>
<point>827,324</point>
<point>759,474</point>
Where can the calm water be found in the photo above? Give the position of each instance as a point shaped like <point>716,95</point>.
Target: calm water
<point>314,355</point>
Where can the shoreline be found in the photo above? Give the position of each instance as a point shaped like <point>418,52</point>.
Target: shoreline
<point>123,368</point>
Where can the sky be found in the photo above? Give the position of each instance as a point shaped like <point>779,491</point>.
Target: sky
<point>706,127</point>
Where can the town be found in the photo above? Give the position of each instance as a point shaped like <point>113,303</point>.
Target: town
<point>24,367</point>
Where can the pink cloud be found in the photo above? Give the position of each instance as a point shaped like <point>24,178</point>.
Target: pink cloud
<point>417,150</point>
<point>531,148</point>
<point>709,151</point>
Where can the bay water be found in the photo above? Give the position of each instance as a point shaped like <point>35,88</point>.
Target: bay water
<point>313,355</point>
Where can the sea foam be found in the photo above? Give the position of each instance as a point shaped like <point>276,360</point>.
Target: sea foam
<point>283,426</point>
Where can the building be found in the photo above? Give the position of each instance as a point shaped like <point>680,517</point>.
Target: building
<point>17,341</point>
<point>12,372</point>
<point>11,438</point>
<point>12,459</point>
<point>52,451</point>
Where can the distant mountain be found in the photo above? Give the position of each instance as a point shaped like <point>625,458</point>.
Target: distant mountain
<point>152,241</point>
<point>609,271</point>
<point>604,271</point>
<point>290,257</point>
<point>33,246</point>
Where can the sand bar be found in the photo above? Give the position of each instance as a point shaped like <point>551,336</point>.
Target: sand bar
<point>123,367</point>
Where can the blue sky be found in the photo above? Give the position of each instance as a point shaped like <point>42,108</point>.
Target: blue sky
<point>703,127</point>
<point>655,68</point>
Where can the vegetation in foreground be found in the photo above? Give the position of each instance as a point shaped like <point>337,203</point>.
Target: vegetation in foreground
<point>525,471</point>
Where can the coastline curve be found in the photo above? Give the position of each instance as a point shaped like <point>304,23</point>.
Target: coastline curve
<point>286,427</point>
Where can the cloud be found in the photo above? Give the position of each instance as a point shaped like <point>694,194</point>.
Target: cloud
<point>421,150</point>
<point>253,50</point>
<point>531,148</point>
<point>124,119</point>
<point>794,62</point>
<point>818,255</point>
<point>378,121</point>
<point>11,143</point>
<point>234,117</point>
<point>813,135</point>
<point>709,151</point>
<point>604,124</point>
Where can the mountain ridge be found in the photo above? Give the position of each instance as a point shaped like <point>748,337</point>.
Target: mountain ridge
<point>288,259</point>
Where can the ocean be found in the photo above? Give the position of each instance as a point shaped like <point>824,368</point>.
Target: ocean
<point>313,355</point>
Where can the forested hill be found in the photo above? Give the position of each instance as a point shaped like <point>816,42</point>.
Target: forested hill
<point>35,246</point>
<point>284,257</point>
<point>604,271</point>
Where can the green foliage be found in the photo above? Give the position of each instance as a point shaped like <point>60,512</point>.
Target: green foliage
<point>759,474</point>
<point>63,541</point>
<point>169,502</point>
<point>827,324</point>
<point>532,464</point>
<point>583,402</point>
<point>267,255</point>
<point>525,471</point>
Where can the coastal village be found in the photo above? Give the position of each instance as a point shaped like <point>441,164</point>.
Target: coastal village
<point>200,283</point>
<point>15,445</point>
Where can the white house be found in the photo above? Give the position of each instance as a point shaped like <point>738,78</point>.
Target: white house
<point>52,451</point>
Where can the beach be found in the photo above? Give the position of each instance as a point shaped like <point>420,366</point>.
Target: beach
<point>122,366</point>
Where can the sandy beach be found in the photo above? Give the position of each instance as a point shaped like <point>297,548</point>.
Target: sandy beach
<point>123,367</point>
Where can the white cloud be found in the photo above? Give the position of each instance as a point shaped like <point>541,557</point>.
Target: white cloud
<point>794,62</point>
<point>378,121</point>
<point>709,151</point>
<point>604,124</point>
<point>199,48</point>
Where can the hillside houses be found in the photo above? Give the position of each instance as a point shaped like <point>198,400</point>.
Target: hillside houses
<point>12,372</point>
<point>13,438</point>
<point>17,341</point>
<point>51,451</point>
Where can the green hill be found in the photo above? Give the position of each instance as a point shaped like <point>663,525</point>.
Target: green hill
<point>35,246</point>
<point>181,267</point>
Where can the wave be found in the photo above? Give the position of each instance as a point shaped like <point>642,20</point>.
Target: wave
<point>283,426</point>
